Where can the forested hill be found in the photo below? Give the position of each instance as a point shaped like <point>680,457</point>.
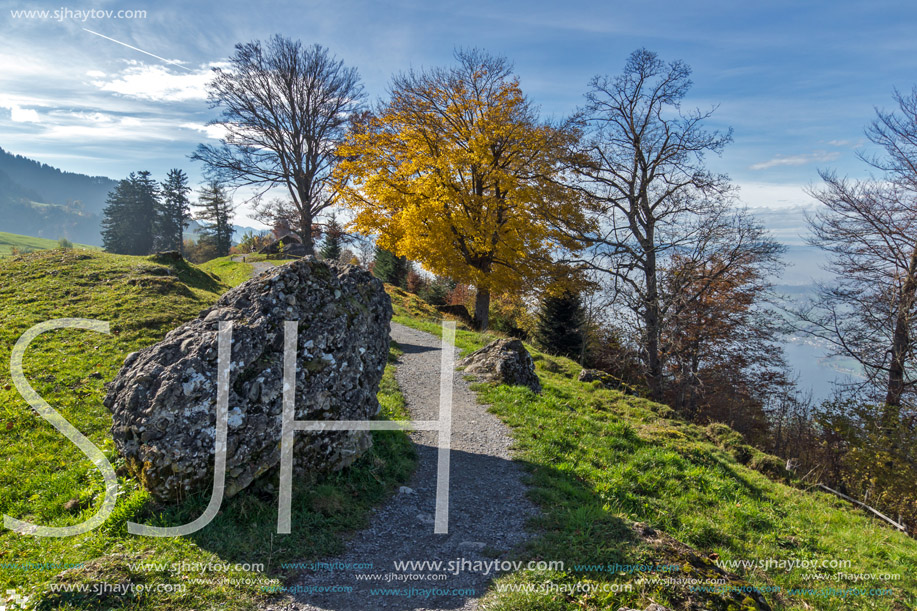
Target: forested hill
<point>49,185</point>
<point>42,201</point>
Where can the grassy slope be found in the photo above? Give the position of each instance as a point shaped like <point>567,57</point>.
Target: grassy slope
<point>231,273</point>
<point>601,460</point>
<point>234,273</point>
<point>40,470</point>
<point>8,241</point>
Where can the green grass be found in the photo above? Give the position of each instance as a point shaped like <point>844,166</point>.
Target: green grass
<point>272,259</point>
<point>24,243</point>
<point>234,273</point>
<point>600,461</point>
<point>230,273</point>
<point>40,471</point>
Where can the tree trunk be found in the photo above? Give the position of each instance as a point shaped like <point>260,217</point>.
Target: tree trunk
<point>481,308</point>
<point>901,340</point>
<point>652,326</point>
<point>896,368</point>
<point>305,232</point>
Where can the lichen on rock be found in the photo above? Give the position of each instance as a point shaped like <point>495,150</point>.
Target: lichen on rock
<point>163,400</point>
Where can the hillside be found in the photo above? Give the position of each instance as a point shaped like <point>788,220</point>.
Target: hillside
<point>605,465</point>
<point>620,480</point>
<point>46,479</point>
<point>39,200</point>
<point>47,184</point>
<point>24,243</point>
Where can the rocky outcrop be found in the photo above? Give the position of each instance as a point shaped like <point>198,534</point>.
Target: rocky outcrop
<point>163,401</point>
<point>597,375</point>
<point>505,361</point>
<point>287,247</point>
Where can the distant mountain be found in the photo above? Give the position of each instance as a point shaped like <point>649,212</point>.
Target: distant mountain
<point>193,231</point>
<point>42,201</point>
<point>39,200</point>
<point>49,185</point>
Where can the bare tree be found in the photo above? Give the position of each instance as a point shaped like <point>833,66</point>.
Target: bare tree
<point>896,133</point>
<point>719,343</point>
<point>285,108</point>
<point>641,162</point>
<point>869,229</point>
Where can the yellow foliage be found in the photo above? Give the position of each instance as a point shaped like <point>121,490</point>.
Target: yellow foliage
<point>457,173</point>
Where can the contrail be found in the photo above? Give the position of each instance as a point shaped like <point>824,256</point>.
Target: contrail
<point>168,61</point>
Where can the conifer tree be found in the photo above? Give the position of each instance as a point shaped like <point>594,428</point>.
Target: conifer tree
<point>389,268</point>
<point>175,212</point>
<point>130,216</point>
<point>215,208</point>
<point>560,324</point>
<point>334,237</point>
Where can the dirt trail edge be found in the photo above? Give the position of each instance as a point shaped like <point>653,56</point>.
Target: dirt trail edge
<point>257,266</point>
<point>487,509</point>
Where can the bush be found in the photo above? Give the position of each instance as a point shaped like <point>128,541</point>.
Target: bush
<point>415,282</point>
<point>201,251</point>
<point>874,450</point>
<point>436,291</point>
<point>509,314</point>
<point>65,244</point>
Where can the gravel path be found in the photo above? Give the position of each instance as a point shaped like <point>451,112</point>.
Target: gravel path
<point>488,508</point>
<point>257,266</point>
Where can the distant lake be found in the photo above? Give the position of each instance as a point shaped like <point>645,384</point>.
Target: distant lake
<point>817,373</point>
<point>806,356</point>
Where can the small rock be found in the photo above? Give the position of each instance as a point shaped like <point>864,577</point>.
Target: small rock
<point>95,375</point>
<point>505,361</point>
<point>405,490</point>
<point>73,505</point>
<point>644,530</point>
<point>597,375</point>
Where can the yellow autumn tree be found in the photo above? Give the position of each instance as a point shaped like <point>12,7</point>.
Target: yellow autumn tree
<point>457,172</point>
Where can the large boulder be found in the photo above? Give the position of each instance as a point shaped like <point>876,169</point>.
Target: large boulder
<point>163,401</point>
<point>505,361</point>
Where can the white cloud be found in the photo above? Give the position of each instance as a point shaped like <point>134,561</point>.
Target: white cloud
<point>840,142</point>
<point>98,126</point>
<point>157,83</point>
<point>795,160</point>
<point>774,195</point>
<point>18,114</point>
<point>216,132</point>
<point>96,74</point>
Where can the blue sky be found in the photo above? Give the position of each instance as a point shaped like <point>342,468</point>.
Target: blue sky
<point>796,81</point>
